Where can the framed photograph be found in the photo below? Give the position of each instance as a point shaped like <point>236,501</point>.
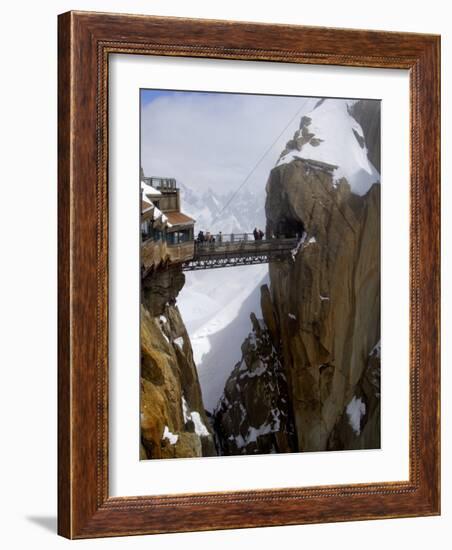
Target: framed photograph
<point>248,275</point>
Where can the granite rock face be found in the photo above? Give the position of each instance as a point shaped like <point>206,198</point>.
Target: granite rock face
<point>327,300</point>
<point>173,421</point>
<point>321,314</point>
<point>161,288</point>
<point>367,113</point>
<point>359,425</point>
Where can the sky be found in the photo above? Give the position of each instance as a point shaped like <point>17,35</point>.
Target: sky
<point>207,139</point>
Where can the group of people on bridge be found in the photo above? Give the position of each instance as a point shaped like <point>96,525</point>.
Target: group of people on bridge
<point>207,237</point>
<point>258,234</point>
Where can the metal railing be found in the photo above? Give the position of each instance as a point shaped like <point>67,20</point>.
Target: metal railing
<point>227,238</point>
<point>219,240</point>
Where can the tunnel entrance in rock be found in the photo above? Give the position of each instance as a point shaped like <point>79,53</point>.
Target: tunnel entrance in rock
<point>289,228</point>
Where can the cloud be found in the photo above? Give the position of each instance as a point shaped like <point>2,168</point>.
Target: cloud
<point>215,139</point>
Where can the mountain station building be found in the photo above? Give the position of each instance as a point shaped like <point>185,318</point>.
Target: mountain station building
<point>167,234</point>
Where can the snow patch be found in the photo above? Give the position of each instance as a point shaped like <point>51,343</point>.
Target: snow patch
<point>324,297</point>
<point>254,433</point>
<point>292,316</point>
<point>200,427</point>
<point>295,250</point>
<point>355,410</point>
<point>158,214</point>
<point>272,425</point>
<point>179,341</point>
<point>333,125</point>
<point>149,190</point>
<point>172,438</point>
<point>195,417</point>
<point>185,411</point>
<point>258,371</point>
<point>163,322</point>
<point>376,349</point>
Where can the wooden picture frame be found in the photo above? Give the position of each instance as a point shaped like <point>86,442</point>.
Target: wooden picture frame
<point>86,40</point>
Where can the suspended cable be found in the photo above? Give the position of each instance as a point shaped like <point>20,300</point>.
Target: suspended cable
<point>257,164</point>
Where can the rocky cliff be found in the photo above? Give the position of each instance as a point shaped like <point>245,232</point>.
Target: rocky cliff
<point>367,113</point>
<point>322,311</point>
<point>253,416</point>
<point>173,420</point>
<point>327,302</point>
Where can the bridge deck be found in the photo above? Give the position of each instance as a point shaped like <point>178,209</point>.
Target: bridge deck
<point>211,255</point>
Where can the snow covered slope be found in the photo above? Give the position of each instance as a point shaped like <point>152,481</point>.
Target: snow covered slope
<point>216,306</point>
<point>331,135</point>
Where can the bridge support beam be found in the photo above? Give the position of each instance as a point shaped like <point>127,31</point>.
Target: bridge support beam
<point>231,261</point>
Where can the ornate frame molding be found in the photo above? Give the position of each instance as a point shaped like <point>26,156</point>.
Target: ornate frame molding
<point>85,42</point>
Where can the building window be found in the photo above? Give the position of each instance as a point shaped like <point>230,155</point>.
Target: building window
<point>147,231</point>
<point>180,237</point>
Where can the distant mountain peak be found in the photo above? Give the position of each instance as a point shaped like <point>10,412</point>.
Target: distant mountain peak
<point>229,213</point>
